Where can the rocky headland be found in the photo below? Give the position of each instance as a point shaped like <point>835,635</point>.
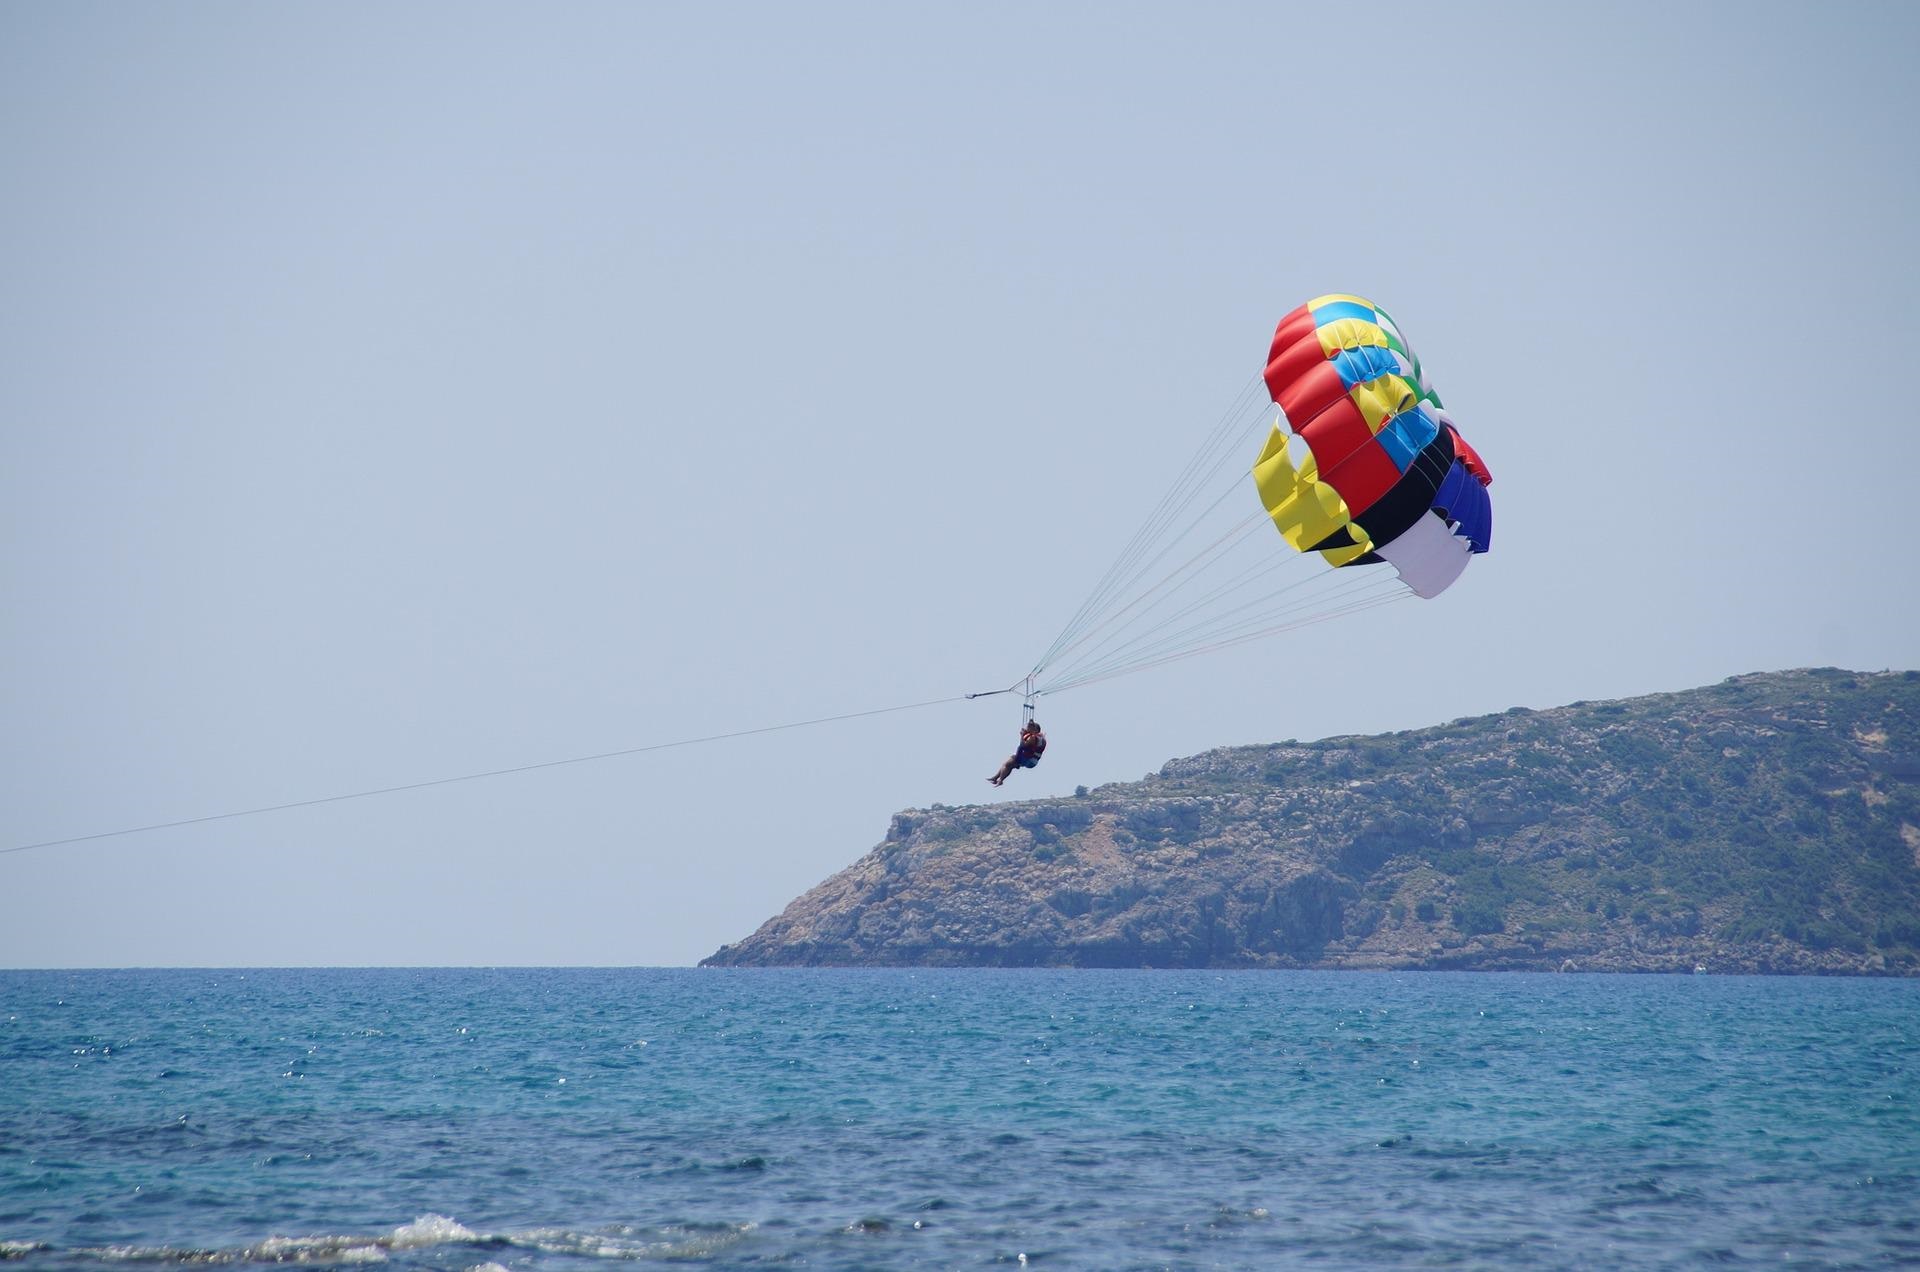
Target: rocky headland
<point>1770,823</point>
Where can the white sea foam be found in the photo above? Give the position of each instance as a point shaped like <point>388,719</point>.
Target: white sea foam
<point>671,1242</point>
<point>432,1230</point>
<point>424,1232</point>
<point>623,1244</point>
<point>618,1243</point>
<point>340,1249</point>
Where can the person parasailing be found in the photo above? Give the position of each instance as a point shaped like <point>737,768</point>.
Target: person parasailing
<point>1026,755</point>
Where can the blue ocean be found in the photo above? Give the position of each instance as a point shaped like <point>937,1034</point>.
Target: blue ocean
<point>570,1120</point>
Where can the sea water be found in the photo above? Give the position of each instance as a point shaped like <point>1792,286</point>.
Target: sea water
<point>562,1120</point>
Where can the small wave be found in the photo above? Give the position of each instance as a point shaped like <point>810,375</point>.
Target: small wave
<point>155,1254</point>
<point>669,1241</point>
<point>314,1250</point>
<point>425,1232</point>
<point>433,1230</point>
<point>1633,1194</point>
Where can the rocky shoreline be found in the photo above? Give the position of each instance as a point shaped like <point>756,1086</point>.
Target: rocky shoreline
<point>1770,824</point>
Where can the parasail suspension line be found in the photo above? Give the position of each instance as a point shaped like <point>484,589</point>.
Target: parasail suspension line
<point>499,772</point>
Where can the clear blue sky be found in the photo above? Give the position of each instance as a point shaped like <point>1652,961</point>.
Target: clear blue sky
<point>391,392</point>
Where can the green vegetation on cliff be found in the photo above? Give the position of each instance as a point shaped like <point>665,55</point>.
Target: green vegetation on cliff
<point>1768,823</point>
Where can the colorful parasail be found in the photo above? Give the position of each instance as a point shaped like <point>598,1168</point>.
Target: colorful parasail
<point>1385,475</point>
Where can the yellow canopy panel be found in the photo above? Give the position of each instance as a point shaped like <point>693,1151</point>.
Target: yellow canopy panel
<point>1304,510</point>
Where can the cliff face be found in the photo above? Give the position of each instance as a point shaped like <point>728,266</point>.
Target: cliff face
<point>1769,823</point>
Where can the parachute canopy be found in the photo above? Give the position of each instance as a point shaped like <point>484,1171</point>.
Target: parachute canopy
<point>1386,475</point>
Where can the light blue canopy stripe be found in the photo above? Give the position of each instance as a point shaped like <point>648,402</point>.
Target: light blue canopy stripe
<point>1367,363</point>
<point>1324,314</point>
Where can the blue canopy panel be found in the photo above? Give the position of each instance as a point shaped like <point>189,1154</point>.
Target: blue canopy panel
<point>1462,500</point>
